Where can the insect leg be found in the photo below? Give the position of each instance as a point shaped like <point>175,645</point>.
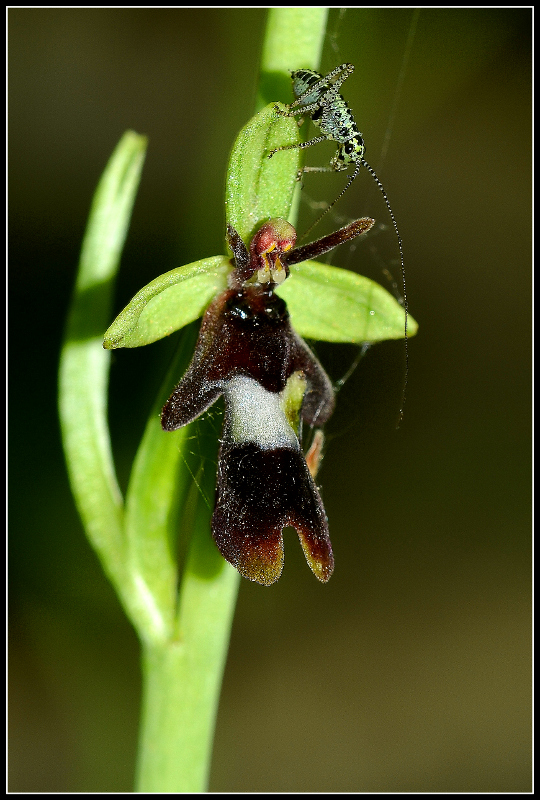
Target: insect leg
<point>324,81</point>
<point>318,169</point>
<point>292,111</point>
<point>347,69</point>
<point>299,146</point>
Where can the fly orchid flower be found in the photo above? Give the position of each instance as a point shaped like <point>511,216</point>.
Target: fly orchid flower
<point>248,352</point>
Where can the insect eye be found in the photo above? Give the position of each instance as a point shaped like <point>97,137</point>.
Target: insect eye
<point>359,144</point>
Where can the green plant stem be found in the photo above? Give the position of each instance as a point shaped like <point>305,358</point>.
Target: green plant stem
<point>182,678</point>
<point>181,693</point>
<point>182,675</point>
<point>294,38</point>
<point>183,621</point>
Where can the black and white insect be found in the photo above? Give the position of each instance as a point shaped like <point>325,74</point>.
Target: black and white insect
<point>248,352</point>
<point>317,97</point>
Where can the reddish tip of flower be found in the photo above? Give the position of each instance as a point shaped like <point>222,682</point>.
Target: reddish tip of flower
<point>267,249</point>
<point>276,233</point>
<point>259,493</point>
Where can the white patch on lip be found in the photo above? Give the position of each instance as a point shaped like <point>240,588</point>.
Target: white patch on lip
<point>254,414</point>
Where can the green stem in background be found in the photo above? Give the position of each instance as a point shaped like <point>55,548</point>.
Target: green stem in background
<point>182,678</point>
<point>84,365</point>
<point>294,38</point>
<point>183,616</point>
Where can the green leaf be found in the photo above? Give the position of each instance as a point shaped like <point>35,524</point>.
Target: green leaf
<point>84,366</point>
<point>335,305</point>
<point>168,303</point>
<point>155,496</point>
<point>259,188</point>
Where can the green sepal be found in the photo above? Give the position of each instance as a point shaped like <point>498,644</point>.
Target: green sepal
<point>168,303</point>
<point>335,305</point>
<point>259,188</point>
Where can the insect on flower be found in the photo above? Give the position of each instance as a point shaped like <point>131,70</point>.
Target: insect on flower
<point>317,96</point>
<point>248,352</point>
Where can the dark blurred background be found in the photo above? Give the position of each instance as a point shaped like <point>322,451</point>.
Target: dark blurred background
<point>410,670</point>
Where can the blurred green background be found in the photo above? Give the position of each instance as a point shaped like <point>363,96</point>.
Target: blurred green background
<point>410,670</point>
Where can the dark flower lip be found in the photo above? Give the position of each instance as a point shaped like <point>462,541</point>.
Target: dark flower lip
<point>259,493</point>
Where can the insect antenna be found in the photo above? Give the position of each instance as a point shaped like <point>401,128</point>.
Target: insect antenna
<point>363,163</point>
<point>405,303</point>
<point>332,204</point>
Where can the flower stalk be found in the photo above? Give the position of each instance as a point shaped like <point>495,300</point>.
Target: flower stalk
<point>182,613</point>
